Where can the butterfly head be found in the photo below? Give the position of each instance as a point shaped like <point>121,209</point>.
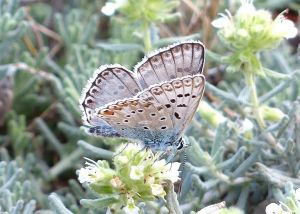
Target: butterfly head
<point>181,144</point>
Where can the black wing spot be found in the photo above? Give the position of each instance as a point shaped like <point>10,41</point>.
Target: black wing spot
<point>140,110</point>
<point>132,112</point>
<point>179,95</point>
<point>145,127</point>
<point>177,115</point>
<point>186,95</point>
<point>172,100</point>
<point>125,121</point>
<point>162,118</point>
<point>181,105</point>
<point>194,96</point>
<point>163,127</point>
<point>153,114</point>
<point>168,105</point>
<point>128,116</point>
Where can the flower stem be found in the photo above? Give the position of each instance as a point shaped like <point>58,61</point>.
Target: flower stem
<point>256,106</point>
<point>172,202</point>
<point>147,37</point>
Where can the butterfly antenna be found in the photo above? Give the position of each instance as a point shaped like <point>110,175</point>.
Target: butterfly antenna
<point>183,166</point>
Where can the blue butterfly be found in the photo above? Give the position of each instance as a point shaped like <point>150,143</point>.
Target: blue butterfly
<point>154,104</point>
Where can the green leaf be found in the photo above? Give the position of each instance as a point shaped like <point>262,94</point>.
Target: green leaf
<point>275,74</point>
<point>99,203</point>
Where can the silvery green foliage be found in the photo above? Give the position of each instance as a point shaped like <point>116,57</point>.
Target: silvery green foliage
<point>16,190</point>
<point>223,164</point>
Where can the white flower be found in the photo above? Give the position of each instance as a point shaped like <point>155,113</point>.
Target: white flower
<point>275,209</point>
<point>90,173</point>
<point>297,194</point>
<point>284,27</point>
<point>247,8</point>
<point>131,208</point>
<point>136,172</point>
<point>110,7</point>
<point>247,125</point>
<point>223,21</point>
<point>158,190</point>
<point>171,172</point>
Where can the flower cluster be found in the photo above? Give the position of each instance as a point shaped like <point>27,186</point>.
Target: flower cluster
<point>291,205</point>
<point>138,176</point>
<point>250,31</point>
<point>147,10</point>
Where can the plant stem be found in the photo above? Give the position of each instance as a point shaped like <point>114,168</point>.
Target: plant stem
<point>256,106</point>
<point>147,37</point>
<point>172,202</point>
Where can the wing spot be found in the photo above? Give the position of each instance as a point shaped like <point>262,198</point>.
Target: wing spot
<point>132,112</point>
<point>179,70</point>
<point>89,101</point>
<point>118,123</point>
<point>181,105</point>
<point>108,112</point>
<point>145,127</point>
<point>125,121</point>
<point>172,100</point>
<point>179,95</point>
<point>163,127</point>
<point>136,90</point>
<point>121,87</point>
<point>194,96</point>
<point>172,76</point>
<point>106,73</point>
<point>140,110</point>
<point>177,115</point>
<point>186,95</point>
<point>153,114</point>
<point>98,81</point>
<point>128,116</point>
<point>159,108</point>
<point>168,105</point>
<point>162,118</point>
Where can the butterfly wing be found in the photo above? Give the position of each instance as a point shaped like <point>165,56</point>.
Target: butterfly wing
<point>138,119</point>
<point>109,83</point>
<point>158,115</point>
<point>180,97</point>
<point>175,61</point>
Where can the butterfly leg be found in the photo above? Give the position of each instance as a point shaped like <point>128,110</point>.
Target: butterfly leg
<point>121,150</point>
<point>104,131</point>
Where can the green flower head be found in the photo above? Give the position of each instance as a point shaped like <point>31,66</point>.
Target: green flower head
<point>146,10</point>
<point>250,31</point>
<point>138,176</point>
<point>253,29</point>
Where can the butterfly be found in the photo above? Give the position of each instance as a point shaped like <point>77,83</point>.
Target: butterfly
<point>154,104</point>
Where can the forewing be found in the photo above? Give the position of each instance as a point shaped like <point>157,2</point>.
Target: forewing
<point>109,83</point>
<point>175,61</point>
